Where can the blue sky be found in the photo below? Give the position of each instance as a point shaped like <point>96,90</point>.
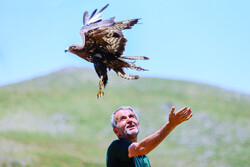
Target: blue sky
<point>201,41</point>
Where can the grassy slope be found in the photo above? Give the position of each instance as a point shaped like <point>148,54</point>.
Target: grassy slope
<point>56,120</point>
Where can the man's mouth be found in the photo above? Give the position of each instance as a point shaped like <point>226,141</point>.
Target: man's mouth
<point>130,126</point>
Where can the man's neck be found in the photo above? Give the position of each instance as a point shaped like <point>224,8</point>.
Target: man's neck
<point>130,139</point>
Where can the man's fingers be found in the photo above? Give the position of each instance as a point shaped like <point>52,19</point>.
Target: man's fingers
<point>172,110</point>
<point>189,117</point>
<point>182,110</point>
<point>184,113</point>
<point>187,112</point>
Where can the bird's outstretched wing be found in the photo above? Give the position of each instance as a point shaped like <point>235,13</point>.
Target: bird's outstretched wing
<point>94,22</point>
<point>109,40</point>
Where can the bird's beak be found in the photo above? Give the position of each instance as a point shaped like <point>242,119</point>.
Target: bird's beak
<point>66,50</point>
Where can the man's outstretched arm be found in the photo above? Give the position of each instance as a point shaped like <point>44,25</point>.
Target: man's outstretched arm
<point>150,142</point>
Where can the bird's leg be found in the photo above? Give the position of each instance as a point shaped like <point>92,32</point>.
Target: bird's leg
<point>100,93</point>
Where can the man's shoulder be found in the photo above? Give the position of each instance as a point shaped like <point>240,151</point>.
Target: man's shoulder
<point>117,154</point>
<point>119,145</point>
<point>119,142</point>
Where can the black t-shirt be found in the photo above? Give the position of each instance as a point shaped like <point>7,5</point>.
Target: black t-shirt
<point>117,156</point>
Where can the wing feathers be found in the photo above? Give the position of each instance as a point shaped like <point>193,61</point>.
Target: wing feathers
<point>85,18</point>
<point>93,14</point>
<point>94,18</point>
<point>103,8</point>
<point>121,25</point>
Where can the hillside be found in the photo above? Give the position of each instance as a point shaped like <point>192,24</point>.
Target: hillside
<point>56,120</point>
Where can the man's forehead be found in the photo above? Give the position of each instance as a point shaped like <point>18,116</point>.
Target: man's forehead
<point>123,112</point>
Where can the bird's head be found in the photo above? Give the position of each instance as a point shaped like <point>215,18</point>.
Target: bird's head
<point>71,48</point>
<point>76,49</point>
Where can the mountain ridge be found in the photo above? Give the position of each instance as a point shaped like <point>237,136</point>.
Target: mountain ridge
<point>56,120</point>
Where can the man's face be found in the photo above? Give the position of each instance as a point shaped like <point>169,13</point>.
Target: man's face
<point>127,125</point>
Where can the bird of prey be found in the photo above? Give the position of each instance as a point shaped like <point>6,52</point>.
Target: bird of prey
<point>103,44</point>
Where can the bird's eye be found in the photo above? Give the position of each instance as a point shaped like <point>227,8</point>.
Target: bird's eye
<point>71,47</point>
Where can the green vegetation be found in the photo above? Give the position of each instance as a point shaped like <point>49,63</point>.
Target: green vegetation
<point>56,120</point>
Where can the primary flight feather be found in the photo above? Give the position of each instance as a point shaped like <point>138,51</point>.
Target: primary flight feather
<point>103,44</point>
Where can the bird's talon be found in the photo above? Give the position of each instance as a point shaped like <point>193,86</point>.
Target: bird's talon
<point>100,93</point>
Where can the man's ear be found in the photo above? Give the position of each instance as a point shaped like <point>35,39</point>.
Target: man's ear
<point>115,130</point>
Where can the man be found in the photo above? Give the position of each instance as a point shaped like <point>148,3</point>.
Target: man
<point>126,151</point>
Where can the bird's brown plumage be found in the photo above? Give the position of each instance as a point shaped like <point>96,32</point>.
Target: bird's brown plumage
<point>104,44</point>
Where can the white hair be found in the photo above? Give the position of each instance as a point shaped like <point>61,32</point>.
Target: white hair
<point>112,119</point>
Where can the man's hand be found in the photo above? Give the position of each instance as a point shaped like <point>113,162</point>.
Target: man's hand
<point>182,115</point>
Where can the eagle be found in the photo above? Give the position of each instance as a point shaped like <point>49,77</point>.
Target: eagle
<point>103,44</point>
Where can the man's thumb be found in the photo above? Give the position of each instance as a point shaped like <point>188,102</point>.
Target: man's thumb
<point>172,110</point>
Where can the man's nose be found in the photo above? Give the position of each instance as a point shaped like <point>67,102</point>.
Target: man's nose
<point>129,120</point>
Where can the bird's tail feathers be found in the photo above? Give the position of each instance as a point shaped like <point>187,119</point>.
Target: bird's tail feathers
<point>135,57</point>
<point>131,65</point>
<point>134,67</point>
<point>128,77</point>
